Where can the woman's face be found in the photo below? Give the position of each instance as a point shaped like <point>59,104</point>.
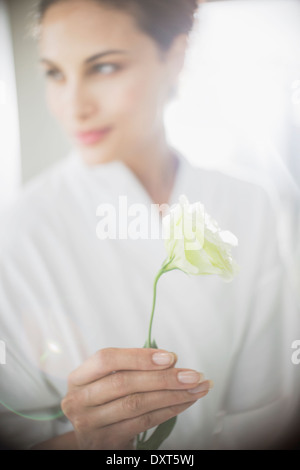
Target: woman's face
<point>107,81</point>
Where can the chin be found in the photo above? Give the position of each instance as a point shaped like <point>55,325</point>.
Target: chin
<point>94,156</point>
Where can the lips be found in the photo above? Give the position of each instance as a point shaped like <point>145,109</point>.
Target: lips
<point>92,137</point>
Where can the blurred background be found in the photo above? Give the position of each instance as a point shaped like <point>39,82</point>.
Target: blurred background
<point>237,106</point>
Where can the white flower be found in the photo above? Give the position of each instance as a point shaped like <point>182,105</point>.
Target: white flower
<point>194,242</point>
<point>196,245</point>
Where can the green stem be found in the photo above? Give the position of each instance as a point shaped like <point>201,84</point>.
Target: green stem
<point>149,341</point>
<point>163,270</point>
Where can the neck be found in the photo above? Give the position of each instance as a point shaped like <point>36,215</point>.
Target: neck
<point>154,164</point>
<point>156,168</point>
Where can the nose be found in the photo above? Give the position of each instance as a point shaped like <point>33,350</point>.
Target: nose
<point>80,102</point>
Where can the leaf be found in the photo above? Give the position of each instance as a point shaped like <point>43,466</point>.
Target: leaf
<point>152,345</point>
<point>161,433</point>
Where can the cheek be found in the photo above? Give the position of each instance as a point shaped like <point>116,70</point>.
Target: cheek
<point>54,102</point>
<point>139,98</point>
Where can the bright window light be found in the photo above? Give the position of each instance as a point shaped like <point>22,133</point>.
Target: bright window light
<point>240,92</point>
<point>10,176</point>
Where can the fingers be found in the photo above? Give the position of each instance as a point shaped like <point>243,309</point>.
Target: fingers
<point>135,426</point>
<point>109,360</point>
<point>140,404</point>
<point>118,393</point>
<point>125,383</point>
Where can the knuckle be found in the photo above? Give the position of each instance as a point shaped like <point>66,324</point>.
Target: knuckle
<point>68,405</point>
<point>146,421</point>
<point>133,403</point>
<point>64,407</point>
<point>118,381</point>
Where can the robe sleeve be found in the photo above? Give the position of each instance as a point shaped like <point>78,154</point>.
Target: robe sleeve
<point>29,403</point>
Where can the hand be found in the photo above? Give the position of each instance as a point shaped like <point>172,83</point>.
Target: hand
<point>119,393</point>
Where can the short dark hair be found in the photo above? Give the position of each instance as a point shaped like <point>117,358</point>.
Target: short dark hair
<point>163,20</point>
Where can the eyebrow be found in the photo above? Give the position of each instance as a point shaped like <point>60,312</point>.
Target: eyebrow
<point>103,54</point>
<point>94,57</point>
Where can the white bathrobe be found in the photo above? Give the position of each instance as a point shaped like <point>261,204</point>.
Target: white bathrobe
<point>65,293</point>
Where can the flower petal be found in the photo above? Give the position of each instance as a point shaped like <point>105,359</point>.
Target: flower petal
<point>195,243</point>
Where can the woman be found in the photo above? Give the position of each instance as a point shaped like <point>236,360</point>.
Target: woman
<point>74,306</point>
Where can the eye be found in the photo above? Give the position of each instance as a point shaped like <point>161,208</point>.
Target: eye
<point>54,74</point>
<point>106,69</point>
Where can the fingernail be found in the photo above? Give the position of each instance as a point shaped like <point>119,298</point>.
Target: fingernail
<point>175,357</point>
<point>203,387</point>
<point>163,359</point>
<point>189,377</point>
